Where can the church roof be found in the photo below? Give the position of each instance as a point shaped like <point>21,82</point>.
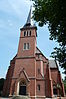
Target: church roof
<point>39,52</point>
<point>53,64</point>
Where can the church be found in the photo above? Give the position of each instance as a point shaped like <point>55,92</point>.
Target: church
<point>30,73</point>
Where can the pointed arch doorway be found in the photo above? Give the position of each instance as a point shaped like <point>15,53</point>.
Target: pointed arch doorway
<point>22,87</point>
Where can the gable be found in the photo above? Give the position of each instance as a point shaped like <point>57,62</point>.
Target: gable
<point>23,74</point>
<point>53,64</point>
<point>39,53</point>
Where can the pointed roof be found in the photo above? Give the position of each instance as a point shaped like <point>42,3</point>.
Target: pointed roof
<point>29,17</point>
<point>23,73</point>
<point>53,64</point>
<point>39,52</point>
<point>28,22</point>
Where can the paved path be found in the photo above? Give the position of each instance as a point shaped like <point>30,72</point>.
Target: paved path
<point>45,98</point>
<point>4,98</point>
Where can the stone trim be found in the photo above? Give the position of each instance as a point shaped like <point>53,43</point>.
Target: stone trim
<point>38,96</point>
<point>31,27</point>
<point>25,57</point>
<point>26,36</point>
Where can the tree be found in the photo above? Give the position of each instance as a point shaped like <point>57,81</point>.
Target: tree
<point>53,13</point>
<point>64,81</point>
<point>1,85</point>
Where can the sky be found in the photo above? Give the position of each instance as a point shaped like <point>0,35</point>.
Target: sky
<point>13,16</point>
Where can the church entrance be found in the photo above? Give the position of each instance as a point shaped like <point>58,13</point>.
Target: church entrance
<point>22,88</point>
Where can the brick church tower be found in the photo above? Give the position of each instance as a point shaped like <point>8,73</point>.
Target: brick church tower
<point>29,72</point>
<point>25,65</point>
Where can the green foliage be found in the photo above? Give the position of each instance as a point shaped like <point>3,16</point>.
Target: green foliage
<point>1,85</point>
<point>53,13</point>
<point>60,55</point>
<point>64,85</point>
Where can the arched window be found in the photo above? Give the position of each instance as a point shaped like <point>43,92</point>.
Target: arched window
<point>38,70</point>
<point>38,87</point>
<point>26,46</point>
<point>24,33</point>
<point>27,33</point>
<point>30,33</point>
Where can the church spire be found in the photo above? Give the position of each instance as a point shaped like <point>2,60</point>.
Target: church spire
<point>29,17</point>
<point>28,22</point>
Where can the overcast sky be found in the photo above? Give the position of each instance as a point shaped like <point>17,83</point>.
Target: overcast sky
<point>13,15</point>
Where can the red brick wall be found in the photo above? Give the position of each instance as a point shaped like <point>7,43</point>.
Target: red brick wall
<point>7,84</point>
<point>54,75</point>
<point>27,39</point>
<point>28,64</point>
<point>42,87</point>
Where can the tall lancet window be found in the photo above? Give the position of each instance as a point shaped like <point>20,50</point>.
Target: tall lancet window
<point>24,33</point>
<point>42,72</point>
<point>27,33</point>
<point>26,46</point>
<point>30,33</point>
<point>38,87</point>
